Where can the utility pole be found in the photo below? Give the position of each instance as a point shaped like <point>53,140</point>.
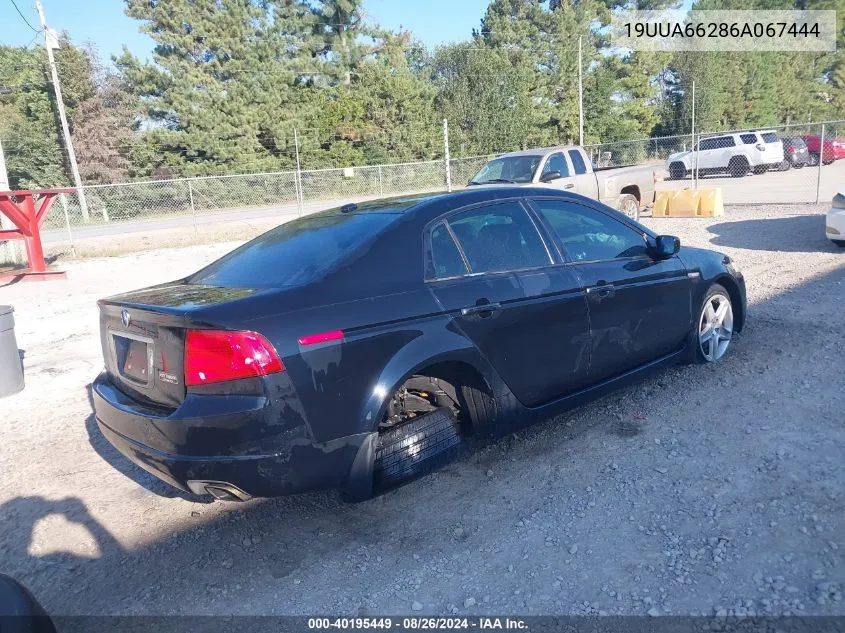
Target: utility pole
<point>580,96</point>
<point>11,250</point>
<point>51,42</point>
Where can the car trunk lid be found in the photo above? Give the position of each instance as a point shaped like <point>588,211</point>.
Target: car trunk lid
<point>142,335</point>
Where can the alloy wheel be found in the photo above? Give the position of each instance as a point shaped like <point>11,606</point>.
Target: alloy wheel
<point>715,327</point>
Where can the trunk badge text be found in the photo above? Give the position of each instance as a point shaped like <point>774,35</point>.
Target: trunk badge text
<point>163,376</point>
<point>124,317</point>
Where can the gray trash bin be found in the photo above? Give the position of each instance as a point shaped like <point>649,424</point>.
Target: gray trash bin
<point>11,369</point>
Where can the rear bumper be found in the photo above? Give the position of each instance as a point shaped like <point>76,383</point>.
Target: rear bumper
<point>258,458</point>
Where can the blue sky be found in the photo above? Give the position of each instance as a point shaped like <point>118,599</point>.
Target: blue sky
<point>103,22</point>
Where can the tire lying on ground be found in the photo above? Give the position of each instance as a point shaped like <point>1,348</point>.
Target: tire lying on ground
<point>416,447</point>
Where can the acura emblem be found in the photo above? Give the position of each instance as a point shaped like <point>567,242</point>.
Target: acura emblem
<point>124,317</point>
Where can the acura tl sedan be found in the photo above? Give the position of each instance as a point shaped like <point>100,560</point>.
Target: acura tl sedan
<point>358,347</point>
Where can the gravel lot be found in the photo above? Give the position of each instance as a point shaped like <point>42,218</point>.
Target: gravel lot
<point>704,490</point>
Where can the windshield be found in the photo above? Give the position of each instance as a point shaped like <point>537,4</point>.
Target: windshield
<point>507,169</point>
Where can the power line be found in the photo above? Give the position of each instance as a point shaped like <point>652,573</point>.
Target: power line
<point>23,18</point>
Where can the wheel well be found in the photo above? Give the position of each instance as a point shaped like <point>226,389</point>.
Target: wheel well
<point>633,190</point>
<point>736,299</point>
<point>455,374</point>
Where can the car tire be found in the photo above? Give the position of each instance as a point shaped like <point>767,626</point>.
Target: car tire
<point>785,165</point>
<point>677,171</point>
<point>416,447</point>
<point>814,159</point>
<point>708,349</point>
<point>839,243</point>
<point>799,165</point>
<point>760,169</point>
<point>738,166</point>
<point>629,206</point>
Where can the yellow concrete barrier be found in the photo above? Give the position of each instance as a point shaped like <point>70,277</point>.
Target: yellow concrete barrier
<point>711,203</point>
<point>688,203</point>
<point>684,203</point>
<point>661,203</point>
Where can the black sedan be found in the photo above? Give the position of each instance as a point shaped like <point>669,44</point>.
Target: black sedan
<point>358,347</point>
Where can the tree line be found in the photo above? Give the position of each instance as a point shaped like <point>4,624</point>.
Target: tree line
<point>228,83</point>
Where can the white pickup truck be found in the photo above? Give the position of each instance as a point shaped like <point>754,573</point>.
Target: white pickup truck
<point>627,189</point>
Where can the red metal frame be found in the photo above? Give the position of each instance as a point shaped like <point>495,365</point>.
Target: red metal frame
<point>20,207</point>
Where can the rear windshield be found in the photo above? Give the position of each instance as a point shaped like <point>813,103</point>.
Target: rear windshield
<point>769,137</point>
<point>295,253</point>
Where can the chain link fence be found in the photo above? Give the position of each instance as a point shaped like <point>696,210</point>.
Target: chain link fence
<point>278,190</point>
<point>810,170</point>
<point>747,164</point>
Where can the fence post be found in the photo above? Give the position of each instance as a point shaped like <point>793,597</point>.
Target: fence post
<point>63,200</point>
<point>821,161</point>
<point>380,187</point>
<point>299,196</point>
<point>446,154</point>
<point>193,210</point>
<point>695,144</point>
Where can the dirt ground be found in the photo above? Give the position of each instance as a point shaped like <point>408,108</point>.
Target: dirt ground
<point>703,490</point>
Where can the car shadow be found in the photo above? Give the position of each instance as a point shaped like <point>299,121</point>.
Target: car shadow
<point>127,468</point>
<point>797,234</point>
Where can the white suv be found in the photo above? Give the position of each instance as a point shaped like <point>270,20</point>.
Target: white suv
<point>736,153</point>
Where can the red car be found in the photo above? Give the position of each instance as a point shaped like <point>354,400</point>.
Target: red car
<point>834,149</point>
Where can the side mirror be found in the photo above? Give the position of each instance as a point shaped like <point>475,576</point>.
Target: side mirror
<point>550,175</point>
<point>665,246</point>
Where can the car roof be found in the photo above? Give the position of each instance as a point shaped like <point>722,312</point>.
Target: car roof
<point>540,151</point>
<point>436,203</point>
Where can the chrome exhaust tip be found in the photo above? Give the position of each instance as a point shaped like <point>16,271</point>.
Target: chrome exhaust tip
<point>220,490</point>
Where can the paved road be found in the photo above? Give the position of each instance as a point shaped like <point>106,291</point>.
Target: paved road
<point>795,185</point>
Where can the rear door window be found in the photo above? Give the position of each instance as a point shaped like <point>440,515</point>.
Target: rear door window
<point>297,252</point>
<point>578,163</point>
<point>748,139</point>
<point>499,237</point>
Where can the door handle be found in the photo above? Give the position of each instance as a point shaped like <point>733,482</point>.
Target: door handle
<point>569,186</point>
<point>602,290</point>
<point>484,310</point>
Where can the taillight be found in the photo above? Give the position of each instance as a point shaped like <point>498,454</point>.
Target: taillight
<point>218,355</point>
<point>791,148</point>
